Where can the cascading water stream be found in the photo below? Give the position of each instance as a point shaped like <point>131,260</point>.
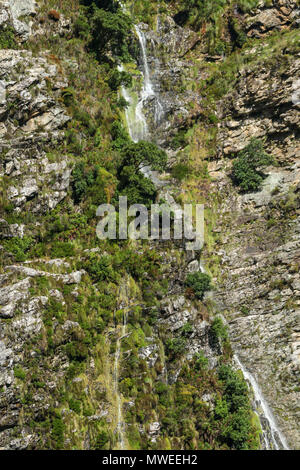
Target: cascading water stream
<point>273,438</point>
<point>136,121</point>
<point>148,88</point>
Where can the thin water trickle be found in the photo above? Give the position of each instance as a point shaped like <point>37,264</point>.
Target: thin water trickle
<point>272,436</point>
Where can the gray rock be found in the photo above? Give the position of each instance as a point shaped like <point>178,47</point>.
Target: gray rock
<point>18,13</point>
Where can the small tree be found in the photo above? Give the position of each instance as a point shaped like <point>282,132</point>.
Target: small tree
<point>246,171</point>
<point>110,32</point>
<point>199,283</point>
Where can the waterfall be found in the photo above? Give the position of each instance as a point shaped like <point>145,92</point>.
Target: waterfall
<point>148,88</point>
<point>273,438</point>
<point>120,418</point>
<point>136,121</point>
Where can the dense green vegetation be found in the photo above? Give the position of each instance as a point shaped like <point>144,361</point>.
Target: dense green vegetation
<point>7,38</point>
<point>247,168</point>
<point>199,283</point>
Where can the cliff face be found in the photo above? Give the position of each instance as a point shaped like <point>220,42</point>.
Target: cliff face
<point>71,376</point>
<point>259,246</point>
<point>257,234</point>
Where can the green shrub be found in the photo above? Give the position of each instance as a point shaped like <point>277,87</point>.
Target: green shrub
<point>101,440</point>
<point>237,430</point>
<point>118,79</point>
<point>18,247</point>
<point>187,330</point>
<point>135,154</point>
<point>235,388</point>
<point>247,5</point>
<point>92,182</point>
<point>19,373</point>
<point>133,184</point>
<point>7,38</point>
<point>218,329</point>
<point>110,31</point>
<point>75,405</point>
<point>62,250</point>
<point>179,140</point>
<point>246,171</point>
<point>199,283</point>
<point>238,34</point>
<point>100,269</point>
<point>82,27</point>
<point>175,346</point>
<point>57,432</point>
<point>119,135</point>
<point>201,362</point>
<point>180,171</point>
<point>77,351</point>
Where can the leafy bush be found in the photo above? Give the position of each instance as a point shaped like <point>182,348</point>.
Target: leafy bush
<point>18,247</point>
<point>201,362</point>
<point>62,250</point>
<point>92,182</point>
<point>239,35</point>
<point>176,346</point>
<point>137,188</point>
<point>119,135</point>
<point>235,388</point>
<point>237,429</point>
<point>110,31</point>
<point>180,171</point>
<point>133,183</point>
<point>101,440</point>
<point>57,433</point>
<point>75,405</point>
<point>135,154</point>
<point>199,283</point>
<point>118,79</point>
<point>179,140</point>
<point>7,38</point>
<point>19,373</point>
<point>246,171</point>
<point>77,351</point>
<point>247,5</point>
<point>100,269</point>
<point>218,329</point>
<point>82,27</point>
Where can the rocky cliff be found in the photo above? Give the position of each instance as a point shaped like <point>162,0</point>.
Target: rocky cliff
<point>71,377</point>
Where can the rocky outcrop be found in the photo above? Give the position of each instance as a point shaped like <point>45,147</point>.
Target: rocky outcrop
<point>260,106</point>
<point>18,15</point>
<point>31,118</point>
<point>278,15</point>
<point>22,325</point>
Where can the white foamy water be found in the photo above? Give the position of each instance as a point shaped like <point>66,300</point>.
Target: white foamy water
<point>272,436</point>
